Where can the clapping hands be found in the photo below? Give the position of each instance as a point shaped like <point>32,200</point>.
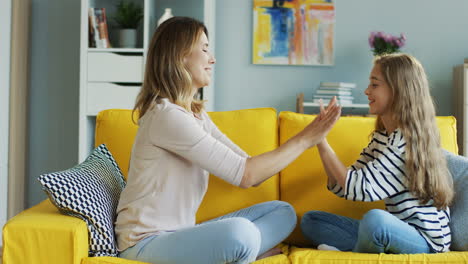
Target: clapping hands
<point>316,131</point>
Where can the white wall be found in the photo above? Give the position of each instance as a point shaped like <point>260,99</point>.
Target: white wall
<point>5,32</point>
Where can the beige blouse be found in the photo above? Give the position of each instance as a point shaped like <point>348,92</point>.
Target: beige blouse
<point>172,156</point>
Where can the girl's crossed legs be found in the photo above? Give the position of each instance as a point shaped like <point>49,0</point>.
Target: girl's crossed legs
<point>377,232</point>
<point>238,237</point>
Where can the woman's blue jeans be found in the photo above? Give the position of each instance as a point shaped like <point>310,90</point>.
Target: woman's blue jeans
<point>377,232</point>
<point>238,237</point>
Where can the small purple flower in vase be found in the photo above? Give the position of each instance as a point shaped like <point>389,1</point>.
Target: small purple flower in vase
<point>382,43</point>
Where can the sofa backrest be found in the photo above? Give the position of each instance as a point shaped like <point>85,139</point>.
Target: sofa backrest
<point>303,182</point>
<point>254,130</point>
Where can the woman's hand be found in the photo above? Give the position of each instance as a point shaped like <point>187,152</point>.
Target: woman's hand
<point>316,131</point>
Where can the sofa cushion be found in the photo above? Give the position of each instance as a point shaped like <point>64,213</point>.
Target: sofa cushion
<point>254,130</point>
<point>313,256</point>
<point>458,166</point>
<point>116,129</point>
<point>110,260</point>
<point>90,191</point>
<point>303,182</point>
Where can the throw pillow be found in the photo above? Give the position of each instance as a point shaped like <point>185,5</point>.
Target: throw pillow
<point>90,191</point>
<point>458,166</point>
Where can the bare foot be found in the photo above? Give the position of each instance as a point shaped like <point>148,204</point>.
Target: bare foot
<point>327,247</point>
<point>269,253</point>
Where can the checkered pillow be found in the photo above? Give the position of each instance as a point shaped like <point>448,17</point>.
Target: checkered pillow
<point>90,191</point>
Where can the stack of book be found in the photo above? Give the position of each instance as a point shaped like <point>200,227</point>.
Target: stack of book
<point>342,91</point>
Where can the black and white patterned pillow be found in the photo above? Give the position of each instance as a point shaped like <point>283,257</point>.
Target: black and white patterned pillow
<point>90,191</point>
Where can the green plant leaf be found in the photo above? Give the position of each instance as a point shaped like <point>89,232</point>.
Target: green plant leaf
<point>128,15</point>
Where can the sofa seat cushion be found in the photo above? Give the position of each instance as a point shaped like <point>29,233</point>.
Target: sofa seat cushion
<point>109,260</point>
<point>278,259</point>
<point>303,182</point>
<point>313,256</point>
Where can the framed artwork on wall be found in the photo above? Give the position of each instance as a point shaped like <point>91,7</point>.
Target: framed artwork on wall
<point>293,32</point>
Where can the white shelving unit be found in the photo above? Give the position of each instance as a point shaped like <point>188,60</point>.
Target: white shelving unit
<point>112,78</point>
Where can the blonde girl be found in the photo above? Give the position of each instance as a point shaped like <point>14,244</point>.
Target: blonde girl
<point>402,165</point>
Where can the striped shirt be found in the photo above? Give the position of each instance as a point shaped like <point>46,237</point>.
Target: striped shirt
<point>379,174</point>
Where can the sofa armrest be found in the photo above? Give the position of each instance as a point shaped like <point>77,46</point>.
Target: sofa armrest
<point>42,234</point>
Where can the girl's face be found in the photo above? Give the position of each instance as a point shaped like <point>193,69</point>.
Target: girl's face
<point>379,93</point>
<point>199,63</point>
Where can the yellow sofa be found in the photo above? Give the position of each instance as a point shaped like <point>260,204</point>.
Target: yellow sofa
<point>42,235</point>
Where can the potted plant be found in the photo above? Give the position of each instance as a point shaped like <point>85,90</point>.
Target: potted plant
<point>382,43</point>
<point>128,17</point>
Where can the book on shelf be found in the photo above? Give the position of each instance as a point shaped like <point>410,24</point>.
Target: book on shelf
<point>338,84</point>
<point>333,92</point>
<point>340,101</point>
<point>98,36</point>
<point>328,97</point>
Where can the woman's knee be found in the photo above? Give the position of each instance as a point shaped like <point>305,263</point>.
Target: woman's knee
<point>241,233</point>
<point>288,211</point>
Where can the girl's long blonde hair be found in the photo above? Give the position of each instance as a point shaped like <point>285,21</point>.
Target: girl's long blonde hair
<point>166,75</point>
<point>413,110</point>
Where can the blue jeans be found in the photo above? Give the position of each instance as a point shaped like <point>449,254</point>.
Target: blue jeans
<point>238,237</point>
<point>377,232</point>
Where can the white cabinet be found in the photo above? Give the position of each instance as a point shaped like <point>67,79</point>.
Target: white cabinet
<point>460,97</point>
<point>112,77</point>
<point>103,95</point>
<point>115,67</point>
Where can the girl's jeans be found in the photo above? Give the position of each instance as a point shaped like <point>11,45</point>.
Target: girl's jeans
<point>238,237</point>
<point>377,232</point>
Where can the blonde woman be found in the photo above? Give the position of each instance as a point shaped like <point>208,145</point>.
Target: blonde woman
<point>403,165</point>
<point>177,146</point>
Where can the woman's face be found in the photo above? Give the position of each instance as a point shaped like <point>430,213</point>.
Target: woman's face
<point>379,93</point>
<point>199,63</point>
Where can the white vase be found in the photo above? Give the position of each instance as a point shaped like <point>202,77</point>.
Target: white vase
<point>167,14</point>
<point>127,38</point>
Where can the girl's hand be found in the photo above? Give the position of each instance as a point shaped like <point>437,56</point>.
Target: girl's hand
<point>323,110</point>
<point>316,131</point>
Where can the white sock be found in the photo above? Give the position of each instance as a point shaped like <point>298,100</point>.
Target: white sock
<point>327,247</point>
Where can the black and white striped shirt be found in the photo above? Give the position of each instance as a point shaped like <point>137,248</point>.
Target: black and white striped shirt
<point>379,174</point>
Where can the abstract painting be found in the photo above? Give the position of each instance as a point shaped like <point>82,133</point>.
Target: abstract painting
<point>293,32</point>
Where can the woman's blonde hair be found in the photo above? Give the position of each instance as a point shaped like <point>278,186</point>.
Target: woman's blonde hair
<point>413,110</point>
<point>166,75</point>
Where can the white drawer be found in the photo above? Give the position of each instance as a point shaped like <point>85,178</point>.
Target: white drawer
<point>115,67</point>
<point>101,96</point>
